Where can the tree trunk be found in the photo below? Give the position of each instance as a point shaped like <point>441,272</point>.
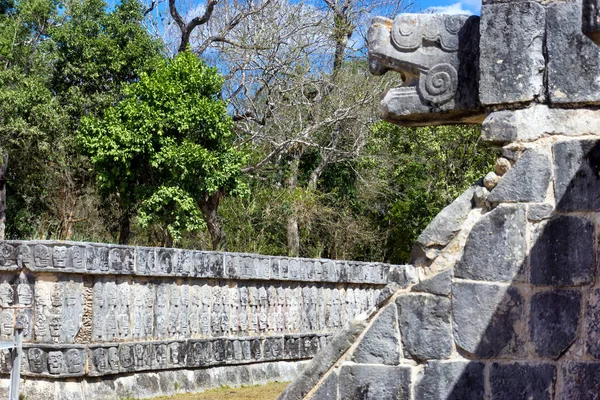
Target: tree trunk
<point>3,168</point>
<point>342,32</point>
<point>293,234</point>
<point>124,227</point>
<point>209,206</point>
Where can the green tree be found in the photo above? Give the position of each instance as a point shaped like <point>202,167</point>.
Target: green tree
<point>167,149</point>
<point>58,62</point>
<point>410,174</point>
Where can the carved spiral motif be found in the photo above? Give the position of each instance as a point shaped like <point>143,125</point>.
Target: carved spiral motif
<point>439,84</point>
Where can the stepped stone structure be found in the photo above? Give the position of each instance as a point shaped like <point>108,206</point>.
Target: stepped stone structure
<point>507,302</point>
<point>108,321</point>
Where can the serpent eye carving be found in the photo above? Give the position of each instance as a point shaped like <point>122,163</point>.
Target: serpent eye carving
<point>438,85</point>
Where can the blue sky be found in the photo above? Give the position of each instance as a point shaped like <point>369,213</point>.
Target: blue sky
<point>450,6</point>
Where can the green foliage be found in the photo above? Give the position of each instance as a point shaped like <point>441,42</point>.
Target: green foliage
<point>166,144</point>
<point>415,172</point>
<point>97,52</point>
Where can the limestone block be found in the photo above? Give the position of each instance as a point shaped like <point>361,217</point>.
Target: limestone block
<point>563,252</point>
<point>577,183</point>
<point>592,324</point>
<point>554,321</point>
<point>537,121</point>
<point>500,236</point>
<point>580,380</point>
<point>13,258</point>
<point>440,284</point>
<point>53,360</point>
<point>372,382</point>
<point>448,222</point>
<point>512,61</point>
<point>451,380</point>
<point>381,343</point>
<point>527,182</point>
<point>425,328</point>
<point>437,56</point>
<point>103,360</point>
<point>571,54</point>
<point>539,212</point>
<point>529,381</point>
<point>488,319</point>
<point>328,390</point>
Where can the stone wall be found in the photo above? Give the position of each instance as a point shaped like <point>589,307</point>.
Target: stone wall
<point>97,310</point>
<point>507,305</point>
<point>517,315</point>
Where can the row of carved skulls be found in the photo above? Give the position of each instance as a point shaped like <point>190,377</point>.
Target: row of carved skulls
<point>182,262</point>
<point>171,310</point>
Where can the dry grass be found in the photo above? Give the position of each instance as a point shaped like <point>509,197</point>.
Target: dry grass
<point>267,392</point>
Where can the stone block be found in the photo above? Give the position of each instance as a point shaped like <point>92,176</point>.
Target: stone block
<point>509,75</point>
<point>440,284</point>
<point>495,248</point>
<point>373,382</point>
<point>536,121</point>
<point>580,380</point>
<point>539,212</point>
<point>577,182</point>
<point>592,323</point>
<point>573,58</point>
<point>525,381</point>
<point>488,318</point>
<point>448,222</point>
<point>554,320</point>
<point>563,252</point>
<point>54,361</point>
<point>381,343</point>
<point>525,183</point>
<point>425,328</point>
<point>328,389</point>
<point>451,380</point>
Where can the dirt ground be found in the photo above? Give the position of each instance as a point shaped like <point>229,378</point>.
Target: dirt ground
<point>267,392</point>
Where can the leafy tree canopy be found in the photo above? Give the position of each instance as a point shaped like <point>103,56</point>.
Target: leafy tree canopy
<point>166,145</point>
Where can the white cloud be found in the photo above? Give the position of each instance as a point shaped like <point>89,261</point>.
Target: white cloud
<point>456,8</point>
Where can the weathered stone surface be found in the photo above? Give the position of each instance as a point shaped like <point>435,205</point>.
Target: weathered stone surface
<point>554,318</point>
<point>487,318</point>
<point>381,343</point>
<point>509,76</point>
<point>451,380</point>
<point>480,196</point>
<point>502,166</point>
<point>438,86</point>
<point>580,380</point>
<point>538,212</point>
<point>440,284</point>
<point>448,222</point>
<point>402,275</point>
<point>500,236</point>
<point>525,381</point>
<point>563,253</point>
<point>328,389</point>
<point>370,382</point>
<point>491,180</point>
<point>527,182</point>
<point>425,328</point>
<point>536,121</point>
<point>577,181</point>
<point>592,323</point>
<point>323,361</point>
<point>571,54</point>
